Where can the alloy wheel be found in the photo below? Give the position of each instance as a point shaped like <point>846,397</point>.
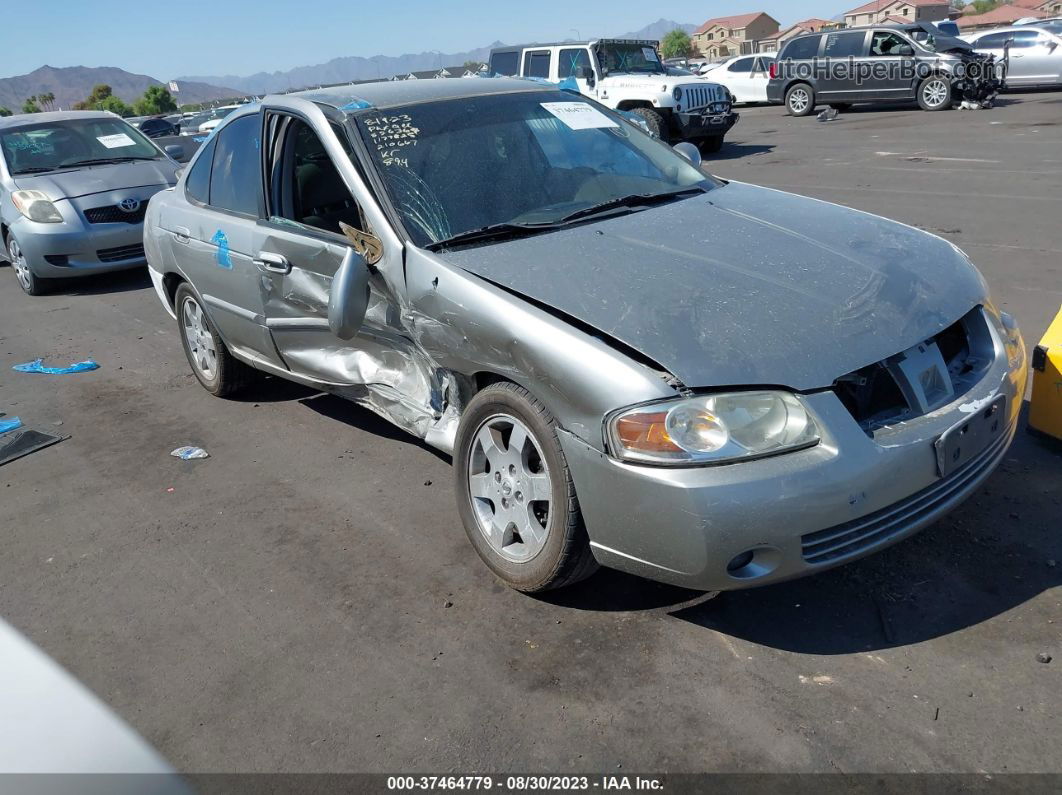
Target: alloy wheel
<point>18,262</point>
<point>510,488</point>
<point>200,341</point>
<point>798,100</point>
<point>935,92</point>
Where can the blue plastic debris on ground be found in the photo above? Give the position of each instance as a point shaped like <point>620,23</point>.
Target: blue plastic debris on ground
<point>10,424</point>
<point>37,366</point>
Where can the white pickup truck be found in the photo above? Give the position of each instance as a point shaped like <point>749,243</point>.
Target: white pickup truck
<point>628,75</point>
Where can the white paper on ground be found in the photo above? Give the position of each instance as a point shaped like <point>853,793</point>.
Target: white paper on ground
<point>579,115</point>
<point>116,141</point>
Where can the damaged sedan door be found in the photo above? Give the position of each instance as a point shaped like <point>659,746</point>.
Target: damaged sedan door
<point>312,223</point>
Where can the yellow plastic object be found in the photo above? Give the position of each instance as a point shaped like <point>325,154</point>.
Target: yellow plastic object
<point>1045,413</point>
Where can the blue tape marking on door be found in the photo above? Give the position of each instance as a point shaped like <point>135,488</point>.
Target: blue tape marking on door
<point>222,256</point>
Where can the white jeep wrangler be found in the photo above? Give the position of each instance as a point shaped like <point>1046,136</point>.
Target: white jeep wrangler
<point>628,75</point>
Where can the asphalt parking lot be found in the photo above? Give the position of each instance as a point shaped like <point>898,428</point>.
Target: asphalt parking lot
<point>306,600</point>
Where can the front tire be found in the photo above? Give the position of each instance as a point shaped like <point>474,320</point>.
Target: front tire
<point>935,93</point>
<point>31,283</point>
<point>800,100</point>
<point>219,372</point>
<point>657,124</point>
<point>515,493</point>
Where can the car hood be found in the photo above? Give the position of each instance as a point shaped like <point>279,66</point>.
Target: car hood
<point>744,285</point>
<point>100,179</point>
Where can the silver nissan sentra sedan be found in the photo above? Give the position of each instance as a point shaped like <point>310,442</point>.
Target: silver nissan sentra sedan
<point>74,186</point>
<point>633,364</point>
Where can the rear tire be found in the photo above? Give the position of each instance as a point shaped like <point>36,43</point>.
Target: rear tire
<point>219,372</point>
<point>515,493</point>
<point>800,100</point>
<point>31,283</point>
<point>935,93</point>
<point>657,124</point>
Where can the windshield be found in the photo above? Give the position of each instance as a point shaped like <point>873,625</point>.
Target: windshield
<point>38,148</point>
<point>629,58</point>
<point>532,158</point>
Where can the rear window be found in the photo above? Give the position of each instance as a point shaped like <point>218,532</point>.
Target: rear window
<point>804,47</point>
<point>536,64</point>
<point>197,183</point>
<point>844,45</point>
<point>505,63</point>
<point>237,173</point>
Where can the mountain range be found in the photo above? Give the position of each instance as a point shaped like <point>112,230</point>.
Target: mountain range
<point>353,67</point>
<point>72,84</point>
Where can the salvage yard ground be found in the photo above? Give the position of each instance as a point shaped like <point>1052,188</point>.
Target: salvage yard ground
<point>306,600</point>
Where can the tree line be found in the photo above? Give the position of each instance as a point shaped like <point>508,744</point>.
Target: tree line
<point>155,100</point>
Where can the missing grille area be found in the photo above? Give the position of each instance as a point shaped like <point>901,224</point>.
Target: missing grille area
<point>872,397</point>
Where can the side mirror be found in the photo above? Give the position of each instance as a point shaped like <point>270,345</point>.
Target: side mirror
<point>585,73</point>
<point>175,151</point>
<point>1052,46</point>
<point>349,297</point>
<point>690,152</point>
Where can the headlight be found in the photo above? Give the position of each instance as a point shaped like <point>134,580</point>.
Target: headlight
<point>677,93</point>
<point>712,428</point>
<point>36,206</point>
<point>1010,336</point>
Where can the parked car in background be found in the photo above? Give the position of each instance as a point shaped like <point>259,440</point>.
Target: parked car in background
<point>158,128</point>
<point>628,75</point>
<point>215,118</point>
<point>1035,53</point>
<point>745,76</point>
<point>74,188</point>
<point>881,63</point>
<point>633,363</point>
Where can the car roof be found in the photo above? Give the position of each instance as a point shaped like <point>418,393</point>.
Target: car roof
<point>393,93</point>
<point>24,119</point>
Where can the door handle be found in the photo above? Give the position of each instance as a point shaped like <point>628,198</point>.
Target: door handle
<point>181,234</point>
<point>274,263</point>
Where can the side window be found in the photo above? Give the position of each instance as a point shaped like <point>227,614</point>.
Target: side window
<point>889,45</point>
<point>571,61</point>
<point>802,48</point>
<point>743,65</point>
<point>536,64</point>
<point>505,63</point>
<point>307,187</point>
<point>844,45</point>
<point>1024,39</point>
<point>197,183</point>
<point>237,173</point>
<point>993,41</point>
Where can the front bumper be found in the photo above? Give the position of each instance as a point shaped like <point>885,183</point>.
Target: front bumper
<point>704,125</point>
<point>798,513</point>
<point>56,251</point>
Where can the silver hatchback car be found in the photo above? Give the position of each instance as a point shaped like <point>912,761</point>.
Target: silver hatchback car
<point>74,188</point>
<point>634,364</point>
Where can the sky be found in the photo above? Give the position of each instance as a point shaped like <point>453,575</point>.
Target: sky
<point>240,37</point>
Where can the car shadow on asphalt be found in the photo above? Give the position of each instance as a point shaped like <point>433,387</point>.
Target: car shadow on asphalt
<point>99,284</point>
<point>994,553</point>
<point>735,151</point>
<point>351,414</point>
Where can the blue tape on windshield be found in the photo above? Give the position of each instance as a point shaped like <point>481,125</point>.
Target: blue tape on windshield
<point>200,139</point>
<point>10,424</point>
<point>222,256</point>
<point>37,366</point>
<point>569,84</point>
<point>357,104</point>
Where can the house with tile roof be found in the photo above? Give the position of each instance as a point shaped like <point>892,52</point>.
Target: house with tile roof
<point>777,41</point>
<point>878,11</point>
<point>722,37</point>
<point>1004,15</point>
